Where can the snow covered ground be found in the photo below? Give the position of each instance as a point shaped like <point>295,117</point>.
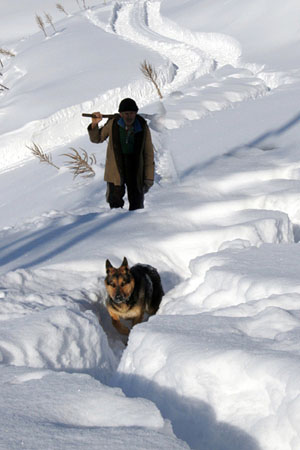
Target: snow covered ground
<point>217,367</point>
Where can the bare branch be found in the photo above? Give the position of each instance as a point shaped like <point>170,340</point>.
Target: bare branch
<point>150,74</point>
<point>43,157</point>
<point>81,164</point>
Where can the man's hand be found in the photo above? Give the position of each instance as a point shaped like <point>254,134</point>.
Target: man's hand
<point>96,120</point>
<point>147,185</point>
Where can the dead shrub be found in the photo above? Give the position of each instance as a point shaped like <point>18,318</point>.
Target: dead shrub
<point>150,74</point>
<point>81,164</point>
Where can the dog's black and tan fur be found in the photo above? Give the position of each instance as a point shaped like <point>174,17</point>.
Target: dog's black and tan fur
<point>132,292</point>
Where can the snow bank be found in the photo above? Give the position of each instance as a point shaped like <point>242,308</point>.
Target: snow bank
<point>266,29</point>
<point>50,113</point>
<point>56,338</point>
<point>225,348</point>
<point>71,411</point>
<point>216,370</point>
<point>219,363</point>
<point>236,279</point>
<point>49,323</point>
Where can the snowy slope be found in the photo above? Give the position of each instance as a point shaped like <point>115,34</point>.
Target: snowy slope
<point>217,367</point>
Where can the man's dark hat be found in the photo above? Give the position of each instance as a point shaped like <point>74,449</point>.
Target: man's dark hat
<point>127,104</point>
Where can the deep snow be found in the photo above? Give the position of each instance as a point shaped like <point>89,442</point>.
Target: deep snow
<point>217,367</point>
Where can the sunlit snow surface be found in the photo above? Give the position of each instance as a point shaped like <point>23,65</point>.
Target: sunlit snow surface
<point>217,368</point>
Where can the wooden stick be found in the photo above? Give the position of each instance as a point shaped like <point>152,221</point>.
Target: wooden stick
<point>105,116</point>
<point>110,116</point>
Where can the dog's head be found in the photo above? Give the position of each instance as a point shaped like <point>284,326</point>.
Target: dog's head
<point>119,282</point>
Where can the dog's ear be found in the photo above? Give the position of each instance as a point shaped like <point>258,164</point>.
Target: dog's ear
<point>125,262</point>
<point>108,265</point>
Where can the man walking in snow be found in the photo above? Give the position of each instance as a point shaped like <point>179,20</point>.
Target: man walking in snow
<point>129,156</point>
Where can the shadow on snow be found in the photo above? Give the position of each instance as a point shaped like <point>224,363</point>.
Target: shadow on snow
<point>68,235</point>
<point>258,142</point>
<point>193,420</point>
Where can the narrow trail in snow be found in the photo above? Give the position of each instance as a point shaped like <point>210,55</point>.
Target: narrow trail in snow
<point>132,21</point>
<point>188,56</point>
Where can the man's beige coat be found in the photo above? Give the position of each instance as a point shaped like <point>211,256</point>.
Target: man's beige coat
<point>114,165</point>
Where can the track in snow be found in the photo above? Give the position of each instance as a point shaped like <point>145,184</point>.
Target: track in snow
<point>191,59</point>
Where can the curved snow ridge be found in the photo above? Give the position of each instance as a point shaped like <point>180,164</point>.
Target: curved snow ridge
<point>48,320</point>
<point>67,124</point>
<point>222,48</point>
<point>115,11</point>
<point>166,73</point>
<point>132,20</point>
<point>56,338</point>
<point>194,55</point>
<point>219,361</point>
<point>92,17</point>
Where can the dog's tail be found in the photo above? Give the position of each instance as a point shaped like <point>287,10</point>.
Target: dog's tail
<point>157,288</point>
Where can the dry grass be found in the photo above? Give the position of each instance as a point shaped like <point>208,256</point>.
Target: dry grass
<point>5,52</point>
<point>150,74</point>
<point>60,8</point>
<point>50,20</point>
<point>81,164</point>
<point>40,23</point>
<point>83,4</point>
<point>43,157</point>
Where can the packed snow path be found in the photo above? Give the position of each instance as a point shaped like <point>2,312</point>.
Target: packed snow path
<point>217,367</point>
<point>183,58</point>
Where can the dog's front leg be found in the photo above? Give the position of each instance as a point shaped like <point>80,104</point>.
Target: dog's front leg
<point>120,327</point>
<point>118,324</point>
<point>137,319</point>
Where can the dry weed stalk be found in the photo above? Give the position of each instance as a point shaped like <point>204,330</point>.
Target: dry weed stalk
<point>40,23</point>
<point>50,20</point>
<point>2,87</point>
<point>6,52</point>
<point>150,74</point>
<point>38,153</point>
<point>60,8</point>
<point>81,165</point>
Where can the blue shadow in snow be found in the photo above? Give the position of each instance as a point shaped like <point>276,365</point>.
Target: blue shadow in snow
<point>257,142</point>
<point>193,420</point>
<point>43,238</point>
<point>277,132</point>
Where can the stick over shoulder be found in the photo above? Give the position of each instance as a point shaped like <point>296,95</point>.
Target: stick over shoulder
<point>93,116</point>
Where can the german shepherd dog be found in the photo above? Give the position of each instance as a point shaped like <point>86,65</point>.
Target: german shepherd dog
<point>132,292</point>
